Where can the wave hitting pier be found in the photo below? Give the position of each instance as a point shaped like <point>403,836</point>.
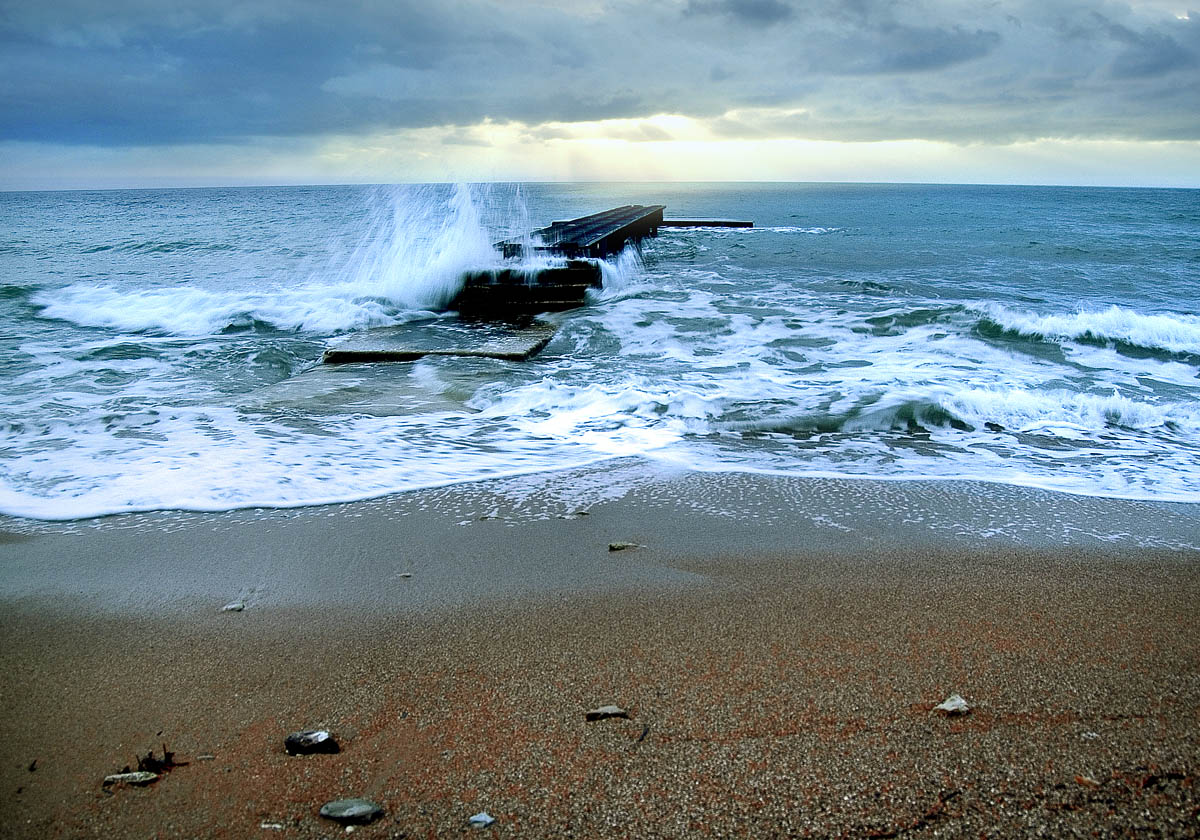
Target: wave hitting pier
<point>507,298</point>
<point>505,293</point>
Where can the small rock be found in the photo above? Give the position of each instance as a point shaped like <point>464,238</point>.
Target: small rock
<point>953,706</point>
<point>605,712</point>
<point>481,820</point>
<point>351,811</point>
<point>311,741</point>
<point>234,606</point>
<point>139,778</point>
<point>621,546</point>
<point>405,574</point>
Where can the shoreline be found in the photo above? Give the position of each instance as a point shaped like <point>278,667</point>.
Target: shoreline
<point>355,554</point>
<point>779,644</point>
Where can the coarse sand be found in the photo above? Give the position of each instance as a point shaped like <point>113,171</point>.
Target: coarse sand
<point>775,686</point>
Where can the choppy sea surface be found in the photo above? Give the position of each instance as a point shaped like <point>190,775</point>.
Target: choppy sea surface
<point>159,349</point>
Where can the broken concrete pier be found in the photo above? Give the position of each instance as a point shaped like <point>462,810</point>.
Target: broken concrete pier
<point>497,305</point>
<point>598,236</point>
<point>409,342</point>
<point>513,293</point>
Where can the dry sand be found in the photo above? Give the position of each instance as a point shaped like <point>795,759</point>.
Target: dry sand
<point>780,679</point>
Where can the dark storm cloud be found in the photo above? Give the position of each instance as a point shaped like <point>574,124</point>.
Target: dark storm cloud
<point>146,72</point>
<point>1150,53</point>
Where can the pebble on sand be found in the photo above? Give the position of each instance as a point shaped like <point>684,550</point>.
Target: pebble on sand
<point>311,741</point>
<point>234,606</point>
<point>952,706</point>
<point>481,820</point>
<point>622,546</point>
<point>605,712</point>
<point>140,777</point>
<point>351,811</point>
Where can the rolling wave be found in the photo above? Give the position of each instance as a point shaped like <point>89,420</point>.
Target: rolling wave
<point>1173,333</point>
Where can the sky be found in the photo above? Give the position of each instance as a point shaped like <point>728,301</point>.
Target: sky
<point>131,93</point>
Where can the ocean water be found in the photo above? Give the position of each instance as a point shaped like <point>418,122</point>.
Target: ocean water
<point>159,349</point>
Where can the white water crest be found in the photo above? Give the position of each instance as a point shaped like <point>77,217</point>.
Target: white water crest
<point>1172,332</point>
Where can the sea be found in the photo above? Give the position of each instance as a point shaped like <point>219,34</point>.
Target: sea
<point>161,349</point>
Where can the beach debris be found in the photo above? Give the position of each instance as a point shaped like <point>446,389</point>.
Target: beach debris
<point>150,764</point>
<point>405,574</point>
<point>605,712</point>
<point>234,606</point>
<point>149,769</point>
<point>271,826</point>
<point>953,706</point>
<point>33,766</point>
<point>352,811</point>
<point>139,778</point>
<point>481,820</point>
<point>311,741</point>
<point>1086,781</point>
<point>622,546</point>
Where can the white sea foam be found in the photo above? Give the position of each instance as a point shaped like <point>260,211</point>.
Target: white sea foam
<point>1175,333</point>
<point>713,353</point>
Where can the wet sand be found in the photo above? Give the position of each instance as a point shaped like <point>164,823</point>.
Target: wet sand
<point>780,672</point>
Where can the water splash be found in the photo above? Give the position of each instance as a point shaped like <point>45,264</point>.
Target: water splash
<point>418,242</point>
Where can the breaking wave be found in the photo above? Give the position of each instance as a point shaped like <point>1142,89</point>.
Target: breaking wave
<point>413,248</point>
<point>1172,333</point>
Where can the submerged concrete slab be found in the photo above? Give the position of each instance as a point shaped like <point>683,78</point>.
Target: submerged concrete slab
<point>443,338</point>
<point>377,390</point>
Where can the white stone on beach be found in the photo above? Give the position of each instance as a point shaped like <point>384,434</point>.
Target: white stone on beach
<point>234,606</point>
<point>141,777</point>
<point>605,712</point>
<point>347,811</point>
<point>953,705</point>
<point>481,820</point>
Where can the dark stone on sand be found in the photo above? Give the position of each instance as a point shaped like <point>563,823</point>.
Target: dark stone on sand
<point>351,811</point>
<point>605,712</point>
<point>311,741</point>
<point>622,546</point>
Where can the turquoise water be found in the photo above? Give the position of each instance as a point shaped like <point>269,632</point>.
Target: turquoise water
<point>157,347</point>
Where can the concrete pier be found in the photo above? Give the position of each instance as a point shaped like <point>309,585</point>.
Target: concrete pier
<point>598,235</point>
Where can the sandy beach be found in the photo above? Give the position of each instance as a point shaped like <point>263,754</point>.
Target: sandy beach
<point>779,646</point>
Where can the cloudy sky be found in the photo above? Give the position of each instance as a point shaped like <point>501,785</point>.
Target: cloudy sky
<point>166,92</point>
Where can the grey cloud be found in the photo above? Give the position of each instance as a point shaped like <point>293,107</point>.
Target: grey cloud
<point>897,48</point>
<point>1149,52</point>
<point>753,12</point>
<point>146,72</point>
